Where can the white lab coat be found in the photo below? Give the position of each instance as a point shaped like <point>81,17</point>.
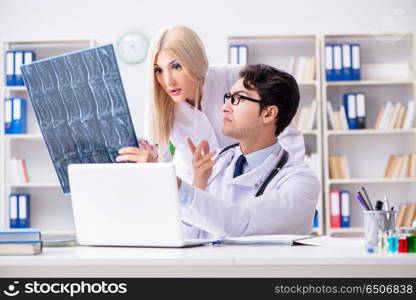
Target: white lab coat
<point>206,124</point>
<point>228,206</point>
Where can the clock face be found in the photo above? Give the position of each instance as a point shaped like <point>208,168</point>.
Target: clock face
<point>132,47</point>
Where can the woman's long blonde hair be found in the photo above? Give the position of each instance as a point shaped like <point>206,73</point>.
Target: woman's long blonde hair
<point>186,45</point>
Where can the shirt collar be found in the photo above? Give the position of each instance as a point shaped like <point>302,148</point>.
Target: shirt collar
<point>258,157</point>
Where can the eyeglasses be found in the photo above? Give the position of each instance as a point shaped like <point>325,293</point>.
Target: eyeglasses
<point>235,98</point>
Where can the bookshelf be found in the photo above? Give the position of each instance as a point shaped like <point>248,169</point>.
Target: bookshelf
<point>279,51</point>
<point>368,150</point>
<point>50,210</point>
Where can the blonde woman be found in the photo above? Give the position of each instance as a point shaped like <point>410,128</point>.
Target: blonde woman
<point>186,99</point>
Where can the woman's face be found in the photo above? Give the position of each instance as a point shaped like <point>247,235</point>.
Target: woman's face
<point>173,78</point>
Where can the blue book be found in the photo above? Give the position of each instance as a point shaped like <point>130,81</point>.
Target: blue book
<point>8,112</point>
<point>20,235</point>
<point>361,111</point>
<point>345,208</point>
<point>28,58</point>
<point>13,211</point>
<point>18,62</point>
<point>329,62</point>
<point>337,62</point>
<point>346,62</point>
<point>24,210</point>
<point>350,104</point>
<point>10,78</point>
<point>19,118</point>
<point>356,61</point>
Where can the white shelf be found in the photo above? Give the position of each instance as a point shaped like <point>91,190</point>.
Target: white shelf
<point>368,82</point>
<point>33,184</point>
<point>370,132</point>
<point>306,83</point>
<point>14,88</point>
<point>371,180</point>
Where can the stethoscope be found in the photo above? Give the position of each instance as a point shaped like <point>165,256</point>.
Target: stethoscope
<point>279,165</point>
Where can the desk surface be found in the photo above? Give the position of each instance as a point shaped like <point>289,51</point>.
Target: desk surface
<point>210,261</point>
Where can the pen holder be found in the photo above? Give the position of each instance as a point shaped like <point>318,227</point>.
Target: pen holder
<point>374,222</point>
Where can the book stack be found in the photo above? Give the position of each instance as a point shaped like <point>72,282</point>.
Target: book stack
<point>338,167</point>
<point>395,116</point>
<point>15,115</point>
<point>17,171</point>
<point>401,166</point>
<point>340,202</point>
<point>337,119</point>
<point>20,242</point>
<point>305,119</point>
<point>407,215</point>
<point>302,68</point>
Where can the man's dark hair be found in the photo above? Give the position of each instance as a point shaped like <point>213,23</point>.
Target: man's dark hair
<point>275,87</point>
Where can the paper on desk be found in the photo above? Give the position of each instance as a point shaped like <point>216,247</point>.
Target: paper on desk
<point>327,241</point>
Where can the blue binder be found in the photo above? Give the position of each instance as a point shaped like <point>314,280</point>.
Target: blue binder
<point>346,62</point>
<point>345,209</point>
<point>350,105</point>
<point>8,116</point>
<point>13,211</point>
<point>18,62</point>
<point>28,58</point>
<point>19,122</point>
<point>10,78</point>
<point>24,210</point>
<point>356,61</point>
<point>337,62</point>
<point>329,62</point>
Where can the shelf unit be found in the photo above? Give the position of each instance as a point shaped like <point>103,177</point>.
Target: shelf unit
<point>367,150</point>
<point>50,210</point>
<point>277,51</point>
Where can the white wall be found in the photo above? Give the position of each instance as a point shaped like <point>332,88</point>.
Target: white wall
<point>213,20</point>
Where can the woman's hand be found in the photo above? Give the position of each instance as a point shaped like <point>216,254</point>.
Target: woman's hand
<point>201,163</point>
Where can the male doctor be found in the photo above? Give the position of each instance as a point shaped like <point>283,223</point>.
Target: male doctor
<point>254,187</point>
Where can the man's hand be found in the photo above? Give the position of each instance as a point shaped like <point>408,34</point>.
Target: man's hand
<point>201,163</point>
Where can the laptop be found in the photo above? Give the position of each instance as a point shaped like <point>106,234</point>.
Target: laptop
<point>127,204</point>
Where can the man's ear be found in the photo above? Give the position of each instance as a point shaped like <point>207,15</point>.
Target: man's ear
<point>270,113</point>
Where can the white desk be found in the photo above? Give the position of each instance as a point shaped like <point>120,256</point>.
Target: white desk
<point>209,261</point>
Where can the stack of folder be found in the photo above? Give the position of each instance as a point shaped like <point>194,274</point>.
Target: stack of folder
<point>395,116</point>
<point>401,166</point>
<point>407,215</point>
<point>238,55</point>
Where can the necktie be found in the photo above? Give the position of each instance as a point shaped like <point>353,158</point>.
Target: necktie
<point>239,166</point>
